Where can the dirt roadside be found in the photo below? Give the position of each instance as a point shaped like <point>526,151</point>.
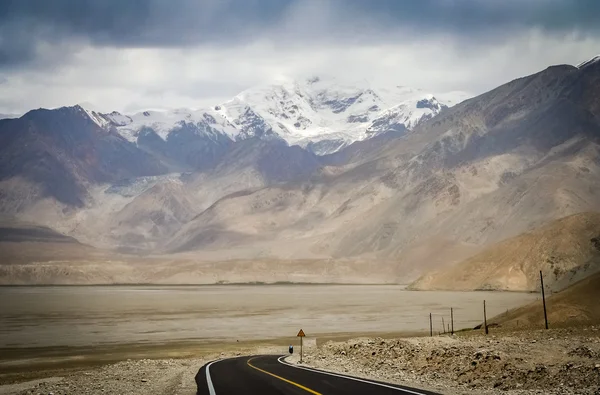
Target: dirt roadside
<point>135,377</point>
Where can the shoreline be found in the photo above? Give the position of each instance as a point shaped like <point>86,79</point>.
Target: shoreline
<point>18,359</point>
<point>252,283</point>
<point>404,286</point>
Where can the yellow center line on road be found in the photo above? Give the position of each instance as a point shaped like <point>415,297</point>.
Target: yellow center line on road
<point>282,379</point>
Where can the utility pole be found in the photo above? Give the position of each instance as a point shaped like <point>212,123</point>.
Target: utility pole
<point>443,325</point>
<point>485,319</point>
<point>430,326</point>
<point>544,299</point>
<point>452,319</point>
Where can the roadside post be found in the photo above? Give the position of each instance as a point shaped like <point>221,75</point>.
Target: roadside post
<point>443,325</point>
<point>301,335</point>
<point>452,320</point>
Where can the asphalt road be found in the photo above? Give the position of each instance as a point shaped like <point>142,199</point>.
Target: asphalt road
<point>270,375</point>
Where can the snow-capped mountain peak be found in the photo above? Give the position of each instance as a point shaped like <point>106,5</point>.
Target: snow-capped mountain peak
<point>319,108</point>
<point>316,111</point>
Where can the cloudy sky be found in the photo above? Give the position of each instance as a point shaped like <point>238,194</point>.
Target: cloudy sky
<point>129,55</point>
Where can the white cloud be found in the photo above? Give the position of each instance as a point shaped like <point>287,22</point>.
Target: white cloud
<point>131,79</point>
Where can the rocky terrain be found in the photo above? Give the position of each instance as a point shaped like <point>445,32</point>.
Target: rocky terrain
<point>520,363</point>
<point>572,307</point>
<point>172,377</point>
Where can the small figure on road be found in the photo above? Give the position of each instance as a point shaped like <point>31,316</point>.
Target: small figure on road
<point>291,349</point>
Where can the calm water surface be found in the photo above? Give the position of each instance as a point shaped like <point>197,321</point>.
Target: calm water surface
<point>84,316</point>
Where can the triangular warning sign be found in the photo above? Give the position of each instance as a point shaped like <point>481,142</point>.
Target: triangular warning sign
<point>301,333</point>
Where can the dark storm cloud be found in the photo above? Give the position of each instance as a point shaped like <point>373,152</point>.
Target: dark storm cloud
<point>468,17</point>
<point>142,22</point>
<point>24,24</point>
<point>129,23</point>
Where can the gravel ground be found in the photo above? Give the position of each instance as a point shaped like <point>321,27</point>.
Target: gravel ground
<point>518,363</point>
<point>127,377</point>
<point>146,376</point>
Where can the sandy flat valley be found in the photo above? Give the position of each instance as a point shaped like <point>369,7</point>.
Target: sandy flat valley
<point>120,321</point>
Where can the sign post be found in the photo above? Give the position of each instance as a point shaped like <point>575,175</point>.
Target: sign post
<point>301,335</point>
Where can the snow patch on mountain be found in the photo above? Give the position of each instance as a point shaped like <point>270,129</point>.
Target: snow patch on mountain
<point>405,115</point>
<point>164,122</point>
<point>96,117</point>
<point>9,116</point>
<point>589,62</point>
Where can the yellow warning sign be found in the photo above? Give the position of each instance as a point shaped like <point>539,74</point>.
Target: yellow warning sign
<point>301,333</point>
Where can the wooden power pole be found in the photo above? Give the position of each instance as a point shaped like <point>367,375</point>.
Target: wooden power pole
<point>430,326</point>
<point>544,299</point>
<point>485,319</point>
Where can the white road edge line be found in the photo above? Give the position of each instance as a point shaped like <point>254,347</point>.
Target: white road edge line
<point>211,388</point>
<point>347,377</point>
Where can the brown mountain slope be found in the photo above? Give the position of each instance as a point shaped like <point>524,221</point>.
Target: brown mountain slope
<point>575,305</point>
<point>57,154</point>
<point>155,213</point>
<point>565,250</point>
<point>22,242</point>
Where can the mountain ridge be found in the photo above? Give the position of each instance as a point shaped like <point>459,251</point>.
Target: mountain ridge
<point>485,170</point>
<point>323,115</point>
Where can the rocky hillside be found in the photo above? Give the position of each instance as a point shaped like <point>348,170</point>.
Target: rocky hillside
<point>487,169</point>
<point>565,250</point>
<point>576,305</point>
<point>23,243</point>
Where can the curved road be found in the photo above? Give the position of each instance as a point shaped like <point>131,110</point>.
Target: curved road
<point>271,375</point>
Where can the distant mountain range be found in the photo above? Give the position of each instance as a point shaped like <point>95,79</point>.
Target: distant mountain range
<point>359,178</point>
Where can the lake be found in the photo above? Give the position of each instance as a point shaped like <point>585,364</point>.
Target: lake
<point>72,316</point>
